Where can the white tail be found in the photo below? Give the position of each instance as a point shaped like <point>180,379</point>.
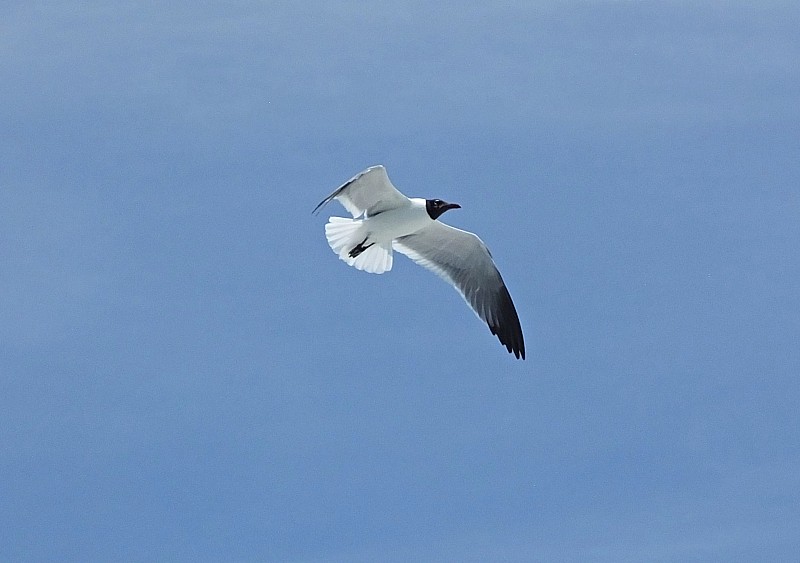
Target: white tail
<point>345,234</point>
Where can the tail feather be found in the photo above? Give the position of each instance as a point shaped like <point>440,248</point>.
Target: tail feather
<point>377,259</point>
<point>345,234</point>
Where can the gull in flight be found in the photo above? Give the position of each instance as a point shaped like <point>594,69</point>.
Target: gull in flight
<point>385,220</point>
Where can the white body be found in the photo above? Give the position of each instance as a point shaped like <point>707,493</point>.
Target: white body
<point>379,231</point>
<point>395,223</point>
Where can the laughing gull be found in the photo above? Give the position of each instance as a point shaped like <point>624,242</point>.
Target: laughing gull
<point>384,219</point>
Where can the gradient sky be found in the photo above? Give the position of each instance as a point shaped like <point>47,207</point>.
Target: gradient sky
<point>187,372</point>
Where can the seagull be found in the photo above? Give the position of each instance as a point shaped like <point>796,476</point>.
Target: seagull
<point>384,220</point>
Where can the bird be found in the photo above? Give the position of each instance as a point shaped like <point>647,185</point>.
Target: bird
<point>385,220</point>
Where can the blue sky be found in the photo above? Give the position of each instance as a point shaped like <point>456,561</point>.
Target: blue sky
<point>187,373</point>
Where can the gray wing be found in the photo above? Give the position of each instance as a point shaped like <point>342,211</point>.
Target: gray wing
<point>462,259</point>
<point>367,192</point>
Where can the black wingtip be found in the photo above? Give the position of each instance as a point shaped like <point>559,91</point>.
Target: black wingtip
<point>320,205</point>
<point>513,345</point>
<point>509,330</point>
<point>331,197</point>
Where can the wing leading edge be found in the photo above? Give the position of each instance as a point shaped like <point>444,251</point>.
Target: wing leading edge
<point>368,192</point>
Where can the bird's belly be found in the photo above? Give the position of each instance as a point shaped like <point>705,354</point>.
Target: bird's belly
<point>390,225</point>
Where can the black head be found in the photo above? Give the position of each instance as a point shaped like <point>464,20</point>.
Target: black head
<point>436,207</point>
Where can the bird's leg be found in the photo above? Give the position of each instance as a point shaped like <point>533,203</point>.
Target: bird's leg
<point>359,248</point>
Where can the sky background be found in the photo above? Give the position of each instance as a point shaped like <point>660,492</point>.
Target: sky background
<point>187,372</point>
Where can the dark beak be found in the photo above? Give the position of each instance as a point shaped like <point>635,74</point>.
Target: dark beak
<point>452,206</point>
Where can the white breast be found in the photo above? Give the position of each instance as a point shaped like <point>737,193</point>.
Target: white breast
<point>390,225</point>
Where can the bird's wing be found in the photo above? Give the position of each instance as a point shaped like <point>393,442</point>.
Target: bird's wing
<point>462,259</point>
<point>369,191</point>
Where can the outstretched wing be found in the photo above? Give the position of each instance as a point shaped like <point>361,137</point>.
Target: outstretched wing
<point>368,192</point>
<point>462,259</point>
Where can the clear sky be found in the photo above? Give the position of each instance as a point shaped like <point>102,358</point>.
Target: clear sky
<point>188,373</point>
